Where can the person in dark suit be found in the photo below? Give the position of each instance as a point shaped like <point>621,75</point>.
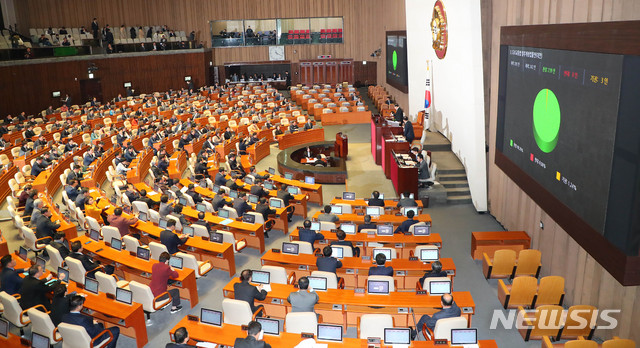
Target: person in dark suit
<point>286,198</point>
<point>182,338</point>
<point>380,268</point>
<point>82,198</point>
<point>93,328</point>
<point>253,339</point>
<point>406,201</point>
<point>375,201</point>
<point>219,201</point>
<point>72,190</point>
<point>326,263</point>
<point>45,227</point>
<point>327,216</point>
<point>367,225</point>
<point>449,310</point>
<point>436,271</point>
<point>306,234</point>
<point>143,198</point>
<point>254,172</point>
<point>171,240</point>
<point>74,175</point>
<point>258,190</point>
<point>60,302</point>
<point>408,130</point>
<point>404,226</point>
<point>398,115</point>
<point>220,178</point>
<point>10,280</point>
<point>202,222</point>
<point>423,168</point>
<point>244,291</point>
<point>59,244</point>
<point>89,265</point>
<point>194,195</point>
<point>231,183</point>
<point>341,235</point>
<point>263,208</point>
<point>240,204</point>
<point>34,291</point>
<point>38,166</point>
<point>161,272</point>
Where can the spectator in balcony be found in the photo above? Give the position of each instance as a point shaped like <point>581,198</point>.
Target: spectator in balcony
<point>132,32</point>
<point>65,42</point>
<point>249,32</point>
<point>150,33</point>
<point>123,31</point>
<point>192,36</point>
<point>50,31</point>
<point>109,49</point>
<point>95,28</point>
<point>201,44</point>
<point>182,45</point>
<point>83,30</point>
<point>143,48</point>
<point>63,31</point>
<point>28,54</point>
<point>108,35</point>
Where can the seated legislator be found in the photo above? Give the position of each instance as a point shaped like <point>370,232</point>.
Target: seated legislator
<point>59,244</point>
<point>91,209</point>
<point>92,327</point>
<point>165,208</point>
<point>304,299</point>
<point>219,201</point>
<point>181,335</point>
<point>89,265</point>
<point>404,227</point>
<point>306,234</point>
<point>121,223</point>
<point>161,272</point>
<point>240,204</point>
<point>327,216</point>
<point>220,178</point>
<point>367,225</point>
<point>45,227</point>
<point>375,201</point>
<point>202,222</point>
<point>341,235</point>
<point>436,271</point>
<point>34,291</point>
<point>253,339</point>
<point>244,291</point>
<point>171,240</point>
<point>60,302</point>
<point>143,198</point>
<point>10,280</point>
<point>449,310</point>
<point>406,201</point>
<point>327,263</point>
<point>380,268</point>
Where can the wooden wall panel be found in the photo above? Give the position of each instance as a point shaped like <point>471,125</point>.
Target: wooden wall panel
<point>586,281</point>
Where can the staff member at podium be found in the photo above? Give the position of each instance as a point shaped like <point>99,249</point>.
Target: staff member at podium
<point>398,115</point>
<point>408,130</point>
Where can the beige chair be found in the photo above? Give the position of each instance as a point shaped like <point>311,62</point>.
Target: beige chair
<point>157,249</point>
<point>142,294</point>
<point>237,312</point>
<point>41,324</point>
<point>77,273</point>
<point>303,247</point>
<point>13,312</point>
<point>200,231</point>
<point>581,343</point>
<point>501,266</point>
<point>55,259</point>
<point>389,279</point>
<point>373,325</point>
<point>130,243</point>
<point>393,252</point>
<point>75,336</point>
<point>300,322</point>
<point>238,245</point>
<point>110,232</point>
<point>443,328</point>
<point>412,228</point>
<point>332,279</point>
<point>278,275</point>
<point>139,206</point>
<point>521,292</point>
<point>346,250</point>
<point>418,250</point>
<point>189,261</point>
<point>30,241</point>
<point>108,283</point>
<point>427,282</point>
<point>327,226</point>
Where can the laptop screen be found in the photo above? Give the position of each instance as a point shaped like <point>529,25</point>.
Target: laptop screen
<point>182,201</point>
<point>384,230</point>
<point>464,336</point>
<point>336,209</point>
<point>414,209</point>
<point>385,252</point>
<point>233,194</point>
<point>211,317</point>
<point>95,235</point>
<point>396,336</point>
<point>274,202</point>
<point>116,243</point>
<point>41,262</point>
<point>293,190</point>
<point>223,213</point>
<point>176,261</point>
<point>349,196</point>
<point>65,272</point>
<point>4,328</point>
<point>378,286</point>
<point>429,255</point>
<point>329,332</point>
<point>162,223</point>
<point>143,253</point>
<point>125,296</point>
<point>269,326</point>
<point>272,171</point>
<point>269,186</point>
<point>249,218</point>
<point>91,285</point>
<point>290,248</point>
<point>318,283</point>
<point>260,277</point>
<point>248,180</point>
<point>315,225</point>
<point>253,199</point>
<point>143,216</point>
<point>22,252</point>
<point>440,287</point>
<point>337,252</point>
<point>373,211</point>
<point>39,341</point>
<point>215,237</point>
<point>288,176</point>
<point>348,228</point>
<point>201,208</point>
<point>310,180</point>
<point>421,231</point>
<point>188,230</point>
<point>216,188</point>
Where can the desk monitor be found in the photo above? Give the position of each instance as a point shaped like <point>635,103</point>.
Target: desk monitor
<point>275,202</point>
<point>421,230</point>
<point>182,201</point>
<point>290,248</point>
<point>349,196</point>
<point>261,277</point>
<point>223,213</point>
<point>253,199</point>
<point>233,194</point>
<point>288,176</point>
<point>188,230</point>
<point>142,216</point>
<point>162,223</point>
<point>269,186</point>
<point>22,253</point>
<point>127,84</point>
<point>215,237</point>
<point>41,262</point>
<point>315,225</point>
<point>349,228</point>
<point>310,180</point>
<point>373,211</point>
<point>397,336</point>
<point>384,230</point>
<point>272,171</point>
<point>201,207</point>
<point>216,188</point>
<point>176,261</point>
<point>385,252</point>
<point>211,317</point>
<point>143,253</point>
<point>249,218</point>
<point>378,287</point>
<point>429,255</point>
<point>318,283</point>
<point>94,234</point>
<point>55,94</point>
<point>269,326</point>
<point>464,336</point>
<point>116,243</point>
<point>248,180</point>
<point>125,296</point>
<point>329,332</point>
<point>65,272</point>
<point>293,190</point>
<point>337,252</point>
<point>91,285</point>
<point>4,328</point>
<point>440,287</point>
<point>336,209</point>
<point>39,341</point>
<point>414,209</point>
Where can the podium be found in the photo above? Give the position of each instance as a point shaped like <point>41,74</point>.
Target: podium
<point>342,145</point>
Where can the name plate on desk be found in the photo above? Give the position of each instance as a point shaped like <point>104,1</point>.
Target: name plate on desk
<point>276,301</point>
<point>399,245</point>
<point>252,233</point>
<point>467,310</point>
<point>359,291</point>
<point>220,256</point>
<point>366,258</point>
<point>336,307</point>
<point>351,271</point>
<point>403,310</point>
<point>307,335</point>
<point>277,251</point>
<point>359,244</point>
<point>450,272</point>
<point>324,241</point>
<point>371,232</point>
<point>190,248</point>
<point>401,273</point>
<point>421,292</point>
<point>303,267</point>
<point>441,342</point>
<point>413,258</point>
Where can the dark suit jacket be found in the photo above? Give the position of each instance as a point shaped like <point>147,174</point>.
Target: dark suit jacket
<point>10,280</point>
<point>406,202</point>
<point>265,210</point>
<point>408,131</point>
<point>246,292</point>
<point>250,342</point>
<point>87,262</point>
<point>231,183</point>
<point>45,227</point>
<point>218,202</point>
<point>171,241</point>
<point>205,224</point>
<point>62,249</point>
<point>381,270</point>
<point>328,264</point>
<point>432,274</point>
<point>399,115</point>
<point>367,227</point>
<point>451,312</point>
<point>285,196</point>
<point>423,170</point>
<point>309,236</point>
<point>241,206</point>
<point>220,179</point>
<point>59,308</point>
<point>345,243</point>
<point>178,345</point>
<point>258,191</point>
<point>375,202</point>
<point>404,227</point>
<point>34,292</point>
<point>73,176</point>
<point>146,200</point>
<point>83,320</point>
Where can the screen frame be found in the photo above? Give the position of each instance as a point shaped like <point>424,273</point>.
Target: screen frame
<point>329,339</point>
<point>211,310</point>
<point>121,290</point>
<point>402,88</point>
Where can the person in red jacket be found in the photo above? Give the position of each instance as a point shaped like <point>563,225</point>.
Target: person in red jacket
<point>161,272</point>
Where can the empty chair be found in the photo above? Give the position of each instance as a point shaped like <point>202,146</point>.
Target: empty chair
<point>237,312</point>
<point>528,263</point>
<point>41,324</point>
<point>501,266</point>
<point>154,216</point>
<point>55,259</point>
<point>130,243</point>
<point>412,228</point>
<point>332,279</point>
<point>278,275</point>
<point>546,321</point>
<point>619,343</point>
<point>443,328</point>
<point>346,208</point>
<point>108,283</point>
<point>572,328</point>
<point>303,247</point>
<point>300,322</point>
<point>550,291</point>
<point>327,226</point>
<point>75,336</point>
<point>157,249</point>
<point>373,325</point>
<point>389,279</point>
<point>142,294</point>
<point>189,261</point>
<point>228,237</point>
<point>110,232</point>
<point>520,293</point>
<point>13,312</point>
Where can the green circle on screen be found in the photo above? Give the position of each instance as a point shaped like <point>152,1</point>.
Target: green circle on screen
<point>546,120</point>
<point>395,60</point>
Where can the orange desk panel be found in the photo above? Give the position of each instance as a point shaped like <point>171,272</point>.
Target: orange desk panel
<point>489,242</point>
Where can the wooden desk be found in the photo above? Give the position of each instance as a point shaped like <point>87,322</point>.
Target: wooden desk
<point>13,341</point>
<point>344,307</point>
<point>313,190</point>
<point>69,229</point>
<point>129,318</point>
<point>404,178</point>
<point>258,151</point>
<point>4,248</point>
<point>489,242</point>
<point>224,149</point>
<point>389,145</point>
<point>387,218</point>
<point>360,205</point>
<point>355,270</point>
<point>353,117</point>
<point>300,137</point>
<point>133,268</point>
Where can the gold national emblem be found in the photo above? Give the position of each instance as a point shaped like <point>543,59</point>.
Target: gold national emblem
<point>439,33</point>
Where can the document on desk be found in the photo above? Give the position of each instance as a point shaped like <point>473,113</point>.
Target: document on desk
<point>206,345</point>
<point>226,221</point>
<point>266,287</point>
<point>152,193</point>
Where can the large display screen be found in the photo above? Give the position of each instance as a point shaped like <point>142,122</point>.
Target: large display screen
<point>397,73</point>
<point>559,123</point>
